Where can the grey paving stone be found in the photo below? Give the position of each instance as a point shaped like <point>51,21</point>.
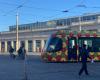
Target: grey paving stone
<point>34,68</point>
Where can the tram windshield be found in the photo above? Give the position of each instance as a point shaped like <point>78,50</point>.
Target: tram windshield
<point>53,44</point>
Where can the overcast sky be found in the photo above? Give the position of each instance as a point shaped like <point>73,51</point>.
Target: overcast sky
<point>43,10</point>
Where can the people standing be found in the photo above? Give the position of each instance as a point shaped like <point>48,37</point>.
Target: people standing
<point>84,55</point>
<point>11,50</point>
<point>22,52</point>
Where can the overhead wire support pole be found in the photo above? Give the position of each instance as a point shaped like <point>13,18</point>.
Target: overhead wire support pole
<point>17,29</point>
<point>17,37</point>
<point>80,27</point>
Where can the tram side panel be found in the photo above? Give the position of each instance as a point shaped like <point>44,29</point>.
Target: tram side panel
<point>63,48</point>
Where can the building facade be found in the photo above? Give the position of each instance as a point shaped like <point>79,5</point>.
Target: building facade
<point>35,35</point>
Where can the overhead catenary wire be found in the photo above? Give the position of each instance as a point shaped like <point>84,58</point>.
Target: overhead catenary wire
<point>73,7</point>
<point>31,7</point>
<point>66,10</point>
<point>56,12</point>
<point>22,5</point>
<point>13,10</point>
<point>44,9</point>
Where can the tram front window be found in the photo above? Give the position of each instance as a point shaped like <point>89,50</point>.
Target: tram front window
<point>53,44</point>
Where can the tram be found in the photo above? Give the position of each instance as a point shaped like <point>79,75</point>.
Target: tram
<point>64,46</point>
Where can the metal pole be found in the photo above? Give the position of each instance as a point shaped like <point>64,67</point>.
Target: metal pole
<point>0,40</point>
<point>17,39</point>
<point>80,27</point>
<point>70,25</point>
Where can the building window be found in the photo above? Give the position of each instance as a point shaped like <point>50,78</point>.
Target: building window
<point>38,45</point>
<point>88,18</point>
<point>30,46</point>
<point>2,46</point>
<point>59,23</point>
<point>8,45</point>
<point>75,19</point>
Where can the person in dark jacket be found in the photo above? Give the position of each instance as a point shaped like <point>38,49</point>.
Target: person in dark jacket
<point>84,55</point>
<point>11,50</point>
<point>22,52</point>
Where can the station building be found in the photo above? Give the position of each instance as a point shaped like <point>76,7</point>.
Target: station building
<point>35,35</point>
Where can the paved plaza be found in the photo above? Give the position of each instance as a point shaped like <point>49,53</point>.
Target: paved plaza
<point>34,68</point>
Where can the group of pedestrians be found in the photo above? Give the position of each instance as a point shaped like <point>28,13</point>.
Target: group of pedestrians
<point>83,55</point>
<point>21,52</point>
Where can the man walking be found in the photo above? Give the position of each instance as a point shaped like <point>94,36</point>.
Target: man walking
<point>84,55</point>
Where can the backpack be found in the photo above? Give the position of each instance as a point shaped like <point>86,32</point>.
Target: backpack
<point>11,50</point>
<point>20,51</point>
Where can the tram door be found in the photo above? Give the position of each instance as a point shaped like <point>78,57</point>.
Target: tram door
<point>72,48</point>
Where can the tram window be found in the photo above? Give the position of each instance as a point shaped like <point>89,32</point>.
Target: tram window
<point>80,43</point>
<point>71,43</point>
<point>87,41</point>
<point>96,45</point>
<point>54,44</point>
<point>89,46</point>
